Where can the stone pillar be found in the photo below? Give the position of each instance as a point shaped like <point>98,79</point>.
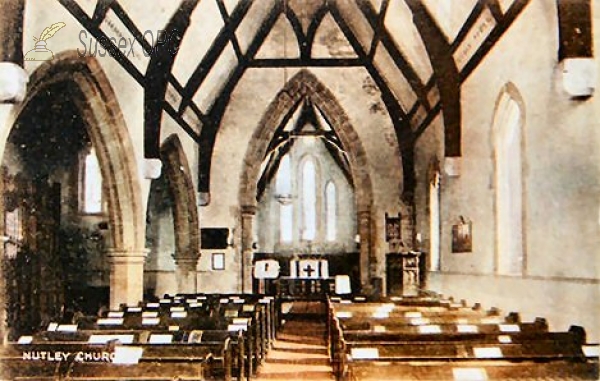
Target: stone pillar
<point>186,274</point>
<point>408,226</point>
<point>13,86</point>
<point>248,213</point>
<point>367,263</point>
<point>126,276</point>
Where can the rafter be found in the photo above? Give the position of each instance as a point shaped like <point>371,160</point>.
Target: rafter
<point>380,27</point>
<point>503,22</point>
<point>444,67</point>
<point>271,169</point>
<point>92,26</point>
<point>158,74</point>
<point>468,24</point>
<point>314,62</point>
<point>501,27</point>
<point>297,28</point>
<point>397,115</point>
<point>401,124</point>
<point>226,35</point>
<point>399,59</point>
<point>209,134</point>
<point>126,20</point>
<point>227,19</point>
<point>313,27</point>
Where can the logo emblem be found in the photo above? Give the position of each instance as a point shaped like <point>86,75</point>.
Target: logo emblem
<point>41,52</point>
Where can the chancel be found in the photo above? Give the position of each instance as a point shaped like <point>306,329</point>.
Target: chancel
<point>291,189</point>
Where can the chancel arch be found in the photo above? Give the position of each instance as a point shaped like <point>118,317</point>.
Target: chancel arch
<point>305,86</point>
<point>508,144</point>
<point>90,92</point>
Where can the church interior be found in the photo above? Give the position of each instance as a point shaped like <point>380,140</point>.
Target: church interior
<point>299,189</point>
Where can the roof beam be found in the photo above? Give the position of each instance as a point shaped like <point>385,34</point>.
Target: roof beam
<point>226,35</point>
<point>158,75</point>
<point>387,41</point>
<point>446,72</point>
<point>401,124</point>
<point>209,133</point>
<point>297,28</point>
<point>398,116</point>
<point>380,27</point>
<point>501,27</point>
<point>313,27</point>
<point>315,62</point>
<point>227,19</point>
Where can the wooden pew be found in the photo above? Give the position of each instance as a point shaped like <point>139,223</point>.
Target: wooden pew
<point>433,339</point>
<point>497,370</point>
<point>177,318</point>
<point>79,361</point>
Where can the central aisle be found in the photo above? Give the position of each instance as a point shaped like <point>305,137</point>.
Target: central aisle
<point>299,352</point>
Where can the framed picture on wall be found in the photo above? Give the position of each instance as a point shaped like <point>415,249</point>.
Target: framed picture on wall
<point>393,230</point>
<point>462,236</point>
<point>218,261</point>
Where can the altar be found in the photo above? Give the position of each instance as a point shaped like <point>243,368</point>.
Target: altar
<point>302,276</point>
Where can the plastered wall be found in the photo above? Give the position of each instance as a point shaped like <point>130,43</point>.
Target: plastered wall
<point>561,183</point>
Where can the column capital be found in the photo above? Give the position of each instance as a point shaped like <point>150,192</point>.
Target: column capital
<point>186,260</point>
<point>127,256</point>
<point>13,83</point>
<point>249,210</point>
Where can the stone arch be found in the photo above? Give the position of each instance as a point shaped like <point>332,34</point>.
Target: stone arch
<point>185,213</point>
<point>93,95</point>
<point>306,84</point>
<point>303,84</point>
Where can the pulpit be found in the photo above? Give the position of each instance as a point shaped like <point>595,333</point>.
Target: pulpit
<point>404,273</point>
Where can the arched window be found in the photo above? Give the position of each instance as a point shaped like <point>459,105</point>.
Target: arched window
<point>284,176</point>
<point>286,209</point>
<point>331,211</point>
<point>509,186</point>
<point>13,232</point>
<point>91,185</point>
<point>434,222</point>
<point>309,200</point>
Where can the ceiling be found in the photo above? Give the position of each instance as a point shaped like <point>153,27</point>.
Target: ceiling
<point>417,52</point>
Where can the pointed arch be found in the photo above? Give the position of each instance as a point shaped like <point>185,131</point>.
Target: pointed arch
<point>305,84</point>
<point>508,142</point>
<point>185,212</point>
<point>302,85</point>
<point>93,95</point>
<point>95,100</point>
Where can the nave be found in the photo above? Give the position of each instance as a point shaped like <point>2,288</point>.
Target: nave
<point>251,153</point>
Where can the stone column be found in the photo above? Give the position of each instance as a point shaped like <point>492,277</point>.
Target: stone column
<point>186,273</point>
<point>13,86</point>
<point>248,213</point>
<point>408,225</point>
<point>366,260</point>
<point>126,276</point>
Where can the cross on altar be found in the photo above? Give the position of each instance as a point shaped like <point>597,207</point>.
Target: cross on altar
<point>309,270</point>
